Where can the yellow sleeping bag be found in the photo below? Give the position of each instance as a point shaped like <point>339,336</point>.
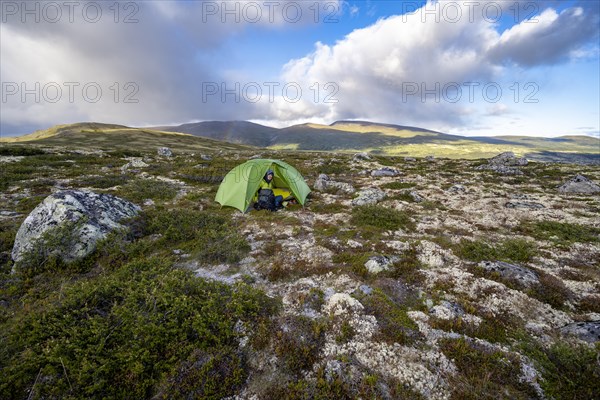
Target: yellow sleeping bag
<point>286,193</point>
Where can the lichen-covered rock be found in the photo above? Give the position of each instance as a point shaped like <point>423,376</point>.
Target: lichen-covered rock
<point>508,158</point>
<point>324,183</point>
<point>505,164</point>
<point>134,163</point>
<point>417,198</point>
<point>586,331</point>
<point>377,264</point>
<point>516,273</point>
<point>363,156</point>
<point>457,189</point>
<point>579,184</point>
<point>93,215</point>
<point>369,196</point>
<point>165,152</point>
<point>385,171</point>
<point>527,205</point>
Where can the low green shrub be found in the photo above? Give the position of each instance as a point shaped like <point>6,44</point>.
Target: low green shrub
<point>562,233</point>
<point>568,371</point>
<point>208,236</point>
<point>394,323</point>
<point>132,333</point>
<point>398,185</point>
<point>379,217</point>
<point>510,250</point>
<point>485,373</point>
<point>20,151</point>
<point>142,189</point>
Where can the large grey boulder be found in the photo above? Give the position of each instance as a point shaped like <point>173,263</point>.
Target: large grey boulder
<point>579,184</point>
<point>92,216</point>
<point>509,159</point>
<point>586,331</point>
<point>522,276</point>
<point>324,183</point>
<point>369,196</point>
<point>505,163</point>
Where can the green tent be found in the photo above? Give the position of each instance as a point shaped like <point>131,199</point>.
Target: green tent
<point>241,183</point>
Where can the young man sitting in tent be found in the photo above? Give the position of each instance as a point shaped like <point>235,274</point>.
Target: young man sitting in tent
<point>266,197</point>
<point>241,185</point>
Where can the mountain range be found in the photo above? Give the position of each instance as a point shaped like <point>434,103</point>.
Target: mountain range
<point>340,136</point>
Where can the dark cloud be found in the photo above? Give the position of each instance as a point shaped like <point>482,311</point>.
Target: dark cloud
<point>550,40</point>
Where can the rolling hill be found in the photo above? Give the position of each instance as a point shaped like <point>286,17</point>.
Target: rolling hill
<point>393,140</point>
<point>93,135</point>
<point>340,136</point>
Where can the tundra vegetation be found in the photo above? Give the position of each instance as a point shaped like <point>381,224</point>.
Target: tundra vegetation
<point>332,300</point>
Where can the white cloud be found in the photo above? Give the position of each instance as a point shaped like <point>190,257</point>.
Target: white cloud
<point>391,70</point>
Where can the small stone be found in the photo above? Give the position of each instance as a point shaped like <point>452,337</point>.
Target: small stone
<point>524,205</point>
<point>165,152</point>
<point>361,156</point>
<point>410,159</point>
<point>457,189</point>
<point>377,264</point>
<point>416,197</point>
<point>385,171</point>
<point>366,289</point>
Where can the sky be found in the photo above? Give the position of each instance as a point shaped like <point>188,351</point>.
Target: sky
<point>472,67</point>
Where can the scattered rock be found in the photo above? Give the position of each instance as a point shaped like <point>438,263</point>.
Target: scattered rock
<point>505,164</point>
<point>376,264</point>
<point>430,158</point>
<point>148,203</point>
<point>366,289</point>
<point>324,183</point>
<point>509,159</point>
<point>410,159</point>
<point>205,157</point>
<point>5,214</point>
<point>524,205</point>
<point>165,152</point>
<point>579,184</point>
<point>134,163</point>
<point>369,196</point>
<point>361,157</point>
<point>521,275</point>
<point>457,189</point>
<point>385,171</point>
<point>95,214</point>
<point>586,331</point>
<point>10,159</point>
<point>417,198</point>
<point>447,310</point>
<point>353,244</point>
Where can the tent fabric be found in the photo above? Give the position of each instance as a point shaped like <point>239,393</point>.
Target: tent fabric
<point>241,183</point>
